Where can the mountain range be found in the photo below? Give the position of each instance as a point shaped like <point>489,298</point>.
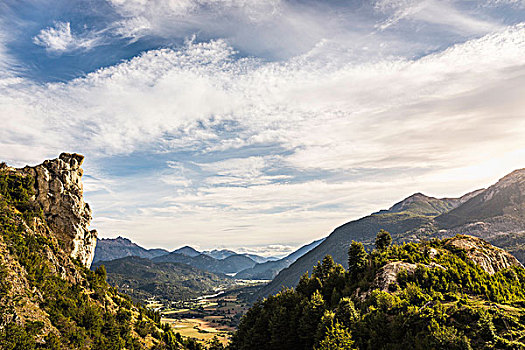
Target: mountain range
<point>244,266</point>
<point>218,261</point>
<point>496,214</point>
<point>269,269</point>
<point>115,248</point>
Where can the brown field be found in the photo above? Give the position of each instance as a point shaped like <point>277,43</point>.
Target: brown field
<point>201,329</point>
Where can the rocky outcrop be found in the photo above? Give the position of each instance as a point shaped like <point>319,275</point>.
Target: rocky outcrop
<point>59,192</point>
<point>387,276</point>
<point>489,258</point>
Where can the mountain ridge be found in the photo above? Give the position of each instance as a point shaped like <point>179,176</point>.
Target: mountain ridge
<point>268,270</point>
<point>441,294</point>
<point>410,220</point>
<point>115,248</point>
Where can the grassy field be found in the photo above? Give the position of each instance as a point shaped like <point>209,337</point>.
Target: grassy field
<point>204,318</point>
<point>200,329</point>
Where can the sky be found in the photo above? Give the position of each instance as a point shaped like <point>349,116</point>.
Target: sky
<point>261,126</point>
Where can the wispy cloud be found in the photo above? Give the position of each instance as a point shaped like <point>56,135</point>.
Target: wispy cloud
<point>59,39</point>
<point>436,12</point>
<point>202,143</point>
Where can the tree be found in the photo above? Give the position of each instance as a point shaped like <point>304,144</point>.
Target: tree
<point>357,258</point>
<point>383,240</point>
<point>346,313</point>
<point>336,338</point>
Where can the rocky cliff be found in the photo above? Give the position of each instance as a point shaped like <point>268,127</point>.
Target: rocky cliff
<point>48,298</point>
<point>59,194</point>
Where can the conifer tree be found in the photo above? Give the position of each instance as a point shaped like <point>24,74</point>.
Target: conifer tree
<point>383,240</point>
<point>357,258</point>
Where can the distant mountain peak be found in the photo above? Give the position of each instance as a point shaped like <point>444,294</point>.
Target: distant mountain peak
<point>219,253</point>
<point>515,177</point>
<point>188,251</point>
<point>419,203</point>
<point>409,200</point>
<point>115,248</point>
<point>123,240</point>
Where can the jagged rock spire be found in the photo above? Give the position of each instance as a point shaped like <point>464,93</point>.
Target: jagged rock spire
<point>59,192</point>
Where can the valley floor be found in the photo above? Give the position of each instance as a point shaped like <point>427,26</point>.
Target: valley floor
<point>208,316</point>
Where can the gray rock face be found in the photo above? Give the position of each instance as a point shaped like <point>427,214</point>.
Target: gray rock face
<point>489,258</point>
<point>59,192</point>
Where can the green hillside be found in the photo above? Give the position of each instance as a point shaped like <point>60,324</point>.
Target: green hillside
<point>459,293</point>
<point>142,279</point>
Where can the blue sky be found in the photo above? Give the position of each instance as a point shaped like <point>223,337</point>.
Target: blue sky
<point>262,125</point>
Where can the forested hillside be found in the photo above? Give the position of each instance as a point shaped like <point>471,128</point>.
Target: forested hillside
<point>458,293</point>
<point>142,279</point>
<point>49,300</point>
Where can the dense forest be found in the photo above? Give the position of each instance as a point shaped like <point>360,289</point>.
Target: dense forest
<point>441,300</point>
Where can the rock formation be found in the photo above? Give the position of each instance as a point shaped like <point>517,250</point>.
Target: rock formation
<point>485,255</point>
<point>59,193</point>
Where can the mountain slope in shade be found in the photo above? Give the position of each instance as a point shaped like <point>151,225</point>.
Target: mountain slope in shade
<point>504,200</point>
<point>229,265</point>
<point>142,279</point>
<point>115,248</point>
<point>259,259</point>
<point>225,253</point>
<point>491,214</point>
<point>268,270</point>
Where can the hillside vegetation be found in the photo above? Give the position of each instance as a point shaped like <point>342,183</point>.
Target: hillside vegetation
<point>458,293</point>
<point>51,301</point>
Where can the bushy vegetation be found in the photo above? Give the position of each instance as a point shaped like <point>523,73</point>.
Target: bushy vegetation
<point>83,311</point>
<point>16,190</point>
<point>445,302</point>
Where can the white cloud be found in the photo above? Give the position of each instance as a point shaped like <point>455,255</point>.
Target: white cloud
<point>274,250</point>
<point>437,114</point>
<point>59,39</point>
<point>518,3</point>
<point>442,12</point>
<point>242,171</point>
<point>297,27</point>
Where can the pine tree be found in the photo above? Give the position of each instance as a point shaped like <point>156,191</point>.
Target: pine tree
<point>383,240</point>
<point>357,258</point>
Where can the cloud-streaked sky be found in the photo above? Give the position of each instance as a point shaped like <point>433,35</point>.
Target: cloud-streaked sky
<point>262,125</point>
